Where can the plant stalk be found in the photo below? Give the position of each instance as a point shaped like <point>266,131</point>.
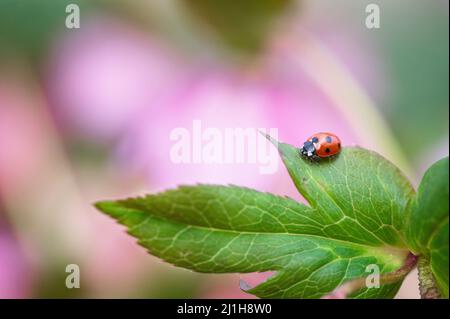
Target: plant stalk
<point>427,284</point>
<point>352,286</point>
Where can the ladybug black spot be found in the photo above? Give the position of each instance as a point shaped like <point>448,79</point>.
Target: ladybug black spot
<point>315,139</point>
<point>329,139</point>
<point>327,150</point>
<point>339,145</point>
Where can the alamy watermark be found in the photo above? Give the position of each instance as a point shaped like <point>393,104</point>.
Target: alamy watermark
<point>373,280</point>
<point>73,279</point>
<point>373,17</point>
<point>212,145</point>
<point>73,17</point>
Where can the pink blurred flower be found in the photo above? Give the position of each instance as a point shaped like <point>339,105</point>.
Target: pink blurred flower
<point>114,263</point>
<point>13,272</point>
<point>105,73</point>
<point>218,100</point>
<point>21,137</point>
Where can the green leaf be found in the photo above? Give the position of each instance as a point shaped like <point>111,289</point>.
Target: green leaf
<point>427,230</point>
<point>355,218</point>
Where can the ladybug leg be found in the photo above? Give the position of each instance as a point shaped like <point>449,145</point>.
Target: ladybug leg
<point>312,158</point>
<point>333,157</point>
<point>315,159</point>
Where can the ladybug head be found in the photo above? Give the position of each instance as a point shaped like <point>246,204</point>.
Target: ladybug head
<point>308,149</point>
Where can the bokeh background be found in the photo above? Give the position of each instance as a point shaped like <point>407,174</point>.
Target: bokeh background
<point>85,114</point>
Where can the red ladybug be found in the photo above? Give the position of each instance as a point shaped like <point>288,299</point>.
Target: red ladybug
<point>321,145</point>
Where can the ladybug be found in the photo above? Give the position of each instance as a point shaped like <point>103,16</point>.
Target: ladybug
<point>321,145</point>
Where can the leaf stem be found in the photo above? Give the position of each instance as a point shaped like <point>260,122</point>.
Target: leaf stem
<point>427,284</point>
<point>357,284</point>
